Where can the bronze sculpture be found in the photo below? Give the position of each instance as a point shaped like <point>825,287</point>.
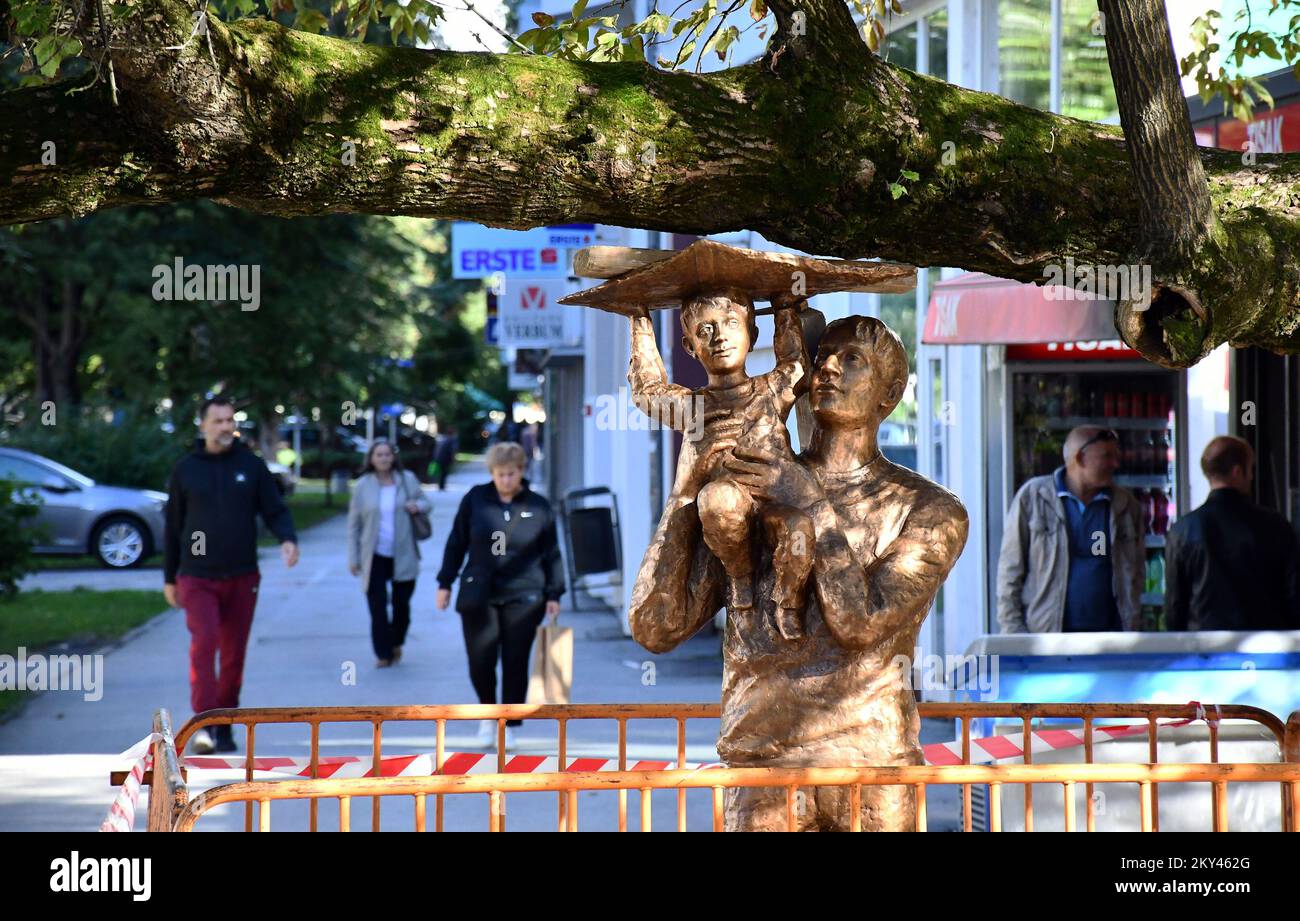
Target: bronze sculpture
<point>719,330</point>
<point>884,539</point>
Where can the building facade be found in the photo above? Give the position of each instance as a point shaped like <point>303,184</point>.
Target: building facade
<point>970,405</point>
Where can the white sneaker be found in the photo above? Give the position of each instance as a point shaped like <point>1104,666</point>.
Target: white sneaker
<point>487,732</point>
<point>512,740</point>
<point>201,743</point>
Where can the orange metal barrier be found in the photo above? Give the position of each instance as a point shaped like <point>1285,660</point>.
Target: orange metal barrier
<point>495,786</point>
<point>1088,713</point>
<point>1287,736</point>
<point>168,796</point>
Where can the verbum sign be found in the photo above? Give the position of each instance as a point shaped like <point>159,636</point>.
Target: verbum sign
<point>529,316</point>
<point>479,251</point>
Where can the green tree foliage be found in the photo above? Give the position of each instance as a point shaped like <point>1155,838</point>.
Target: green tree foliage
<point>1220,51</point>
<point>681,33</point>
<point>16,512</point>
<point>454,359</point>
<point>125,448</point>
<point>341,299</point>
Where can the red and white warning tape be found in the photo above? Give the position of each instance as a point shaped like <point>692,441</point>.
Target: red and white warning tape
<point>454,763</point>
<point>988,749</point>
<point>121,814</point>
<point>984,750</point>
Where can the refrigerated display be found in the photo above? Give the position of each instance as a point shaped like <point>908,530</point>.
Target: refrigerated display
<point>1140,407</point>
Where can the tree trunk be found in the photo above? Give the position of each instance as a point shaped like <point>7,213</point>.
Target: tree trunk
<point>801,146</point>
<point>56,346</point>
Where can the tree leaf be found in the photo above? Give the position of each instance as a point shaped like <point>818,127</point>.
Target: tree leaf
<point>310,20</point>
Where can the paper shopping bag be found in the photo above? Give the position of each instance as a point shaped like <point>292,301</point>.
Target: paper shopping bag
<point>552,671</point>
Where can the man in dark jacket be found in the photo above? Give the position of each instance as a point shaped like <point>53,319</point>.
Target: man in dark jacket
<point>1231,565</point>
<point>210,557</point>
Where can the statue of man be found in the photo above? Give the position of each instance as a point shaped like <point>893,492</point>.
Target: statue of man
<point>885,539</point>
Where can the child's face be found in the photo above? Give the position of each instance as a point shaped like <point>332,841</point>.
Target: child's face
<point>718,335</point>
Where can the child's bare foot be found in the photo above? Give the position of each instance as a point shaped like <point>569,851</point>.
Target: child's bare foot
<point>788,623</point>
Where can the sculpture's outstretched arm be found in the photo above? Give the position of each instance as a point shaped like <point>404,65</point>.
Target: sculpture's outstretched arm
<point>652,392</point>
<point>791,373</point>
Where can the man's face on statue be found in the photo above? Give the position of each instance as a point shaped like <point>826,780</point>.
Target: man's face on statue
<point>717,333</point>
<point>846,385</point>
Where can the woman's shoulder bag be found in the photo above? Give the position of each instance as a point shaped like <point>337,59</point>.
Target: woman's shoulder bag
<point>421,526</point>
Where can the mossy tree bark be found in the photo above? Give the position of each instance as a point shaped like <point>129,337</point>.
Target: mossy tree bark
<point>801,146</point>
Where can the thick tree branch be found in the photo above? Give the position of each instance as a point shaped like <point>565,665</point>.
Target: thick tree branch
<point>1176,214</point>
<point>821,30</point>
<point>800,147</point>
<point>1174,200</point>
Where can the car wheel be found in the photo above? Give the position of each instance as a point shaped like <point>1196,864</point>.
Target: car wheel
<point>119,542</point>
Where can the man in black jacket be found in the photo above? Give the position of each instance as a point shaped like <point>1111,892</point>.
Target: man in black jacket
<point>210,557</point>
<point>1231,565</point>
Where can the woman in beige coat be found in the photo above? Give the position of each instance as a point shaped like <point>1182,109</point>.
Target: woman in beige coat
<point>382,547</point>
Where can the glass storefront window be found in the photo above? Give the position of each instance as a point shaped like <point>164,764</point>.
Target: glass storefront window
<point>898,311</point>
<point>938,29</point>
<point>939,416</point>
<point>900,47</point>
<point>1086,88</point>
<point>1025,51</point>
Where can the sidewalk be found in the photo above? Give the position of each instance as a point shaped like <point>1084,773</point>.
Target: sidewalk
<point>311,630</point>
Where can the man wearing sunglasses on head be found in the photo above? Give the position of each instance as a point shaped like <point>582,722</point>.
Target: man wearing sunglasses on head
<point>1072,556</point>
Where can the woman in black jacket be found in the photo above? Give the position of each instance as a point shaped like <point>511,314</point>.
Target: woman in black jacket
<point>514,578</point>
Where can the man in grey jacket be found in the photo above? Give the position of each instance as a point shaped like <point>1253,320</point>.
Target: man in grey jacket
<point>1073,553</point>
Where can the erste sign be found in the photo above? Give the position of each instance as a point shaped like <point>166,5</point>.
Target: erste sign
<point>478,251</point>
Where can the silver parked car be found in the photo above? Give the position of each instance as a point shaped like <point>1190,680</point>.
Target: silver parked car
<point>116,525</point>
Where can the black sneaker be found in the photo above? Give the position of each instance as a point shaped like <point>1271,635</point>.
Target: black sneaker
<point>224,738</point>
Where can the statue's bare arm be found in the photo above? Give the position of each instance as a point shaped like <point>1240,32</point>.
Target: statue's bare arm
<point>652,392</point>
<point>789,378</point>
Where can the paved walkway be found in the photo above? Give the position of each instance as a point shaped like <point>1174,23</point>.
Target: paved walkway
<point>95,577</point>
<point>312,630</point>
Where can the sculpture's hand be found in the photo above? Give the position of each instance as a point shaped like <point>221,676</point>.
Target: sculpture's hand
<point>759,471</point>
<point>787,301</point>
<point>703,467</point>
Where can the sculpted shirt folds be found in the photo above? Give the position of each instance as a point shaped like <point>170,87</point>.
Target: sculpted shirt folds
<point>878,565</point>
